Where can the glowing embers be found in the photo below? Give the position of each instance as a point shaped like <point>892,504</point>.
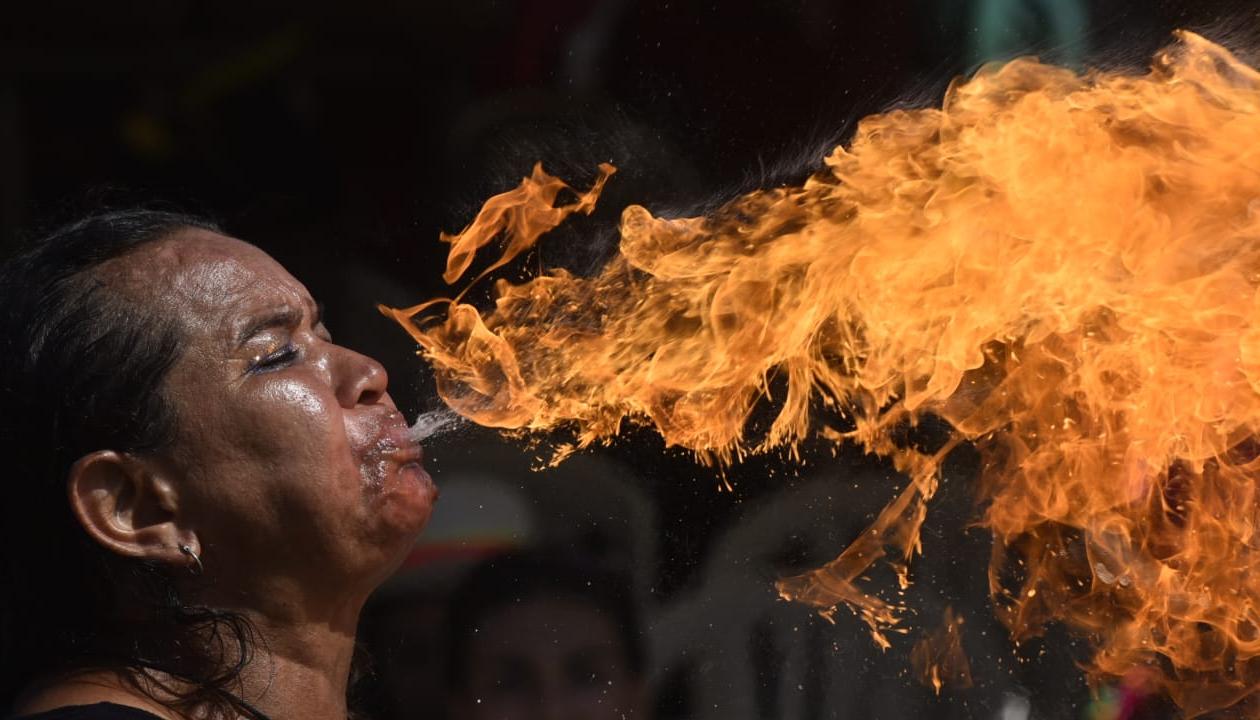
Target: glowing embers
<point>1063,267</point>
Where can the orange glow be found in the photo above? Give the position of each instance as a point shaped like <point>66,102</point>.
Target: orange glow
<point>938,657</point>
<point>1062,266</point>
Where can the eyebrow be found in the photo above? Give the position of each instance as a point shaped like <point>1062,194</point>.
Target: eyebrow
<point>287,317</point>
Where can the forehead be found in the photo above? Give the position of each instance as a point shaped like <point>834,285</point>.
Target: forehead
<point>204,277</point>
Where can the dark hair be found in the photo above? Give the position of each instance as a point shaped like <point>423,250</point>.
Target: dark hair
<point>517,577</point>
<point>82,368</point>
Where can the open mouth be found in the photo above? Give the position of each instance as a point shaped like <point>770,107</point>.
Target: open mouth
<point>393,452</point>
<point>411,454</point>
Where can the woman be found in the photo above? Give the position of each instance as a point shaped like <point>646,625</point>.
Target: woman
<point>203,487</point>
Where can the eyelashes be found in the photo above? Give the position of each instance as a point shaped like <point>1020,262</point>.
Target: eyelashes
<point>278,359</point>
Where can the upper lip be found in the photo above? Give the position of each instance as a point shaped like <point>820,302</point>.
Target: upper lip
<point>397,443</point>
<point>411,453</point>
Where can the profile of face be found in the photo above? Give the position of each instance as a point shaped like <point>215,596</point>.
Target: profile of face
<point>549,658</point>
<point>290,474</point>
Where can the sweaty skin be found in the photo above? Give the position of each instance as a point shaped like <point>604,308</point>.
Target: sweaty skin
<point>284,437</point>
<point>291,470</point>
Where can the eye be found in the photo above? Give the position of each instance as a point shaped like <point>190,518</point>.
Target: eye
<point>278,359</point>
<point>317,323</point>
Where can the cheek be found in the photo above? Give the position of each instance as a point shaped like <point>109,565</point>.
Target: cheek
<point>280,448</point>
<point>295,424</point>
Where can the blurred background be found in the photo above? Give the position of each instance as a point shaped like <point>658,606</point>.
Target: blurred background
<point>628,582</point>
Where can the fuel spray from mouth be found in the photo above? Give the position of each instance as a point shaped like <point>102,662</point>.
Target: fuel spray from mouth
<point>434,423</point>
<point>1062,266</point>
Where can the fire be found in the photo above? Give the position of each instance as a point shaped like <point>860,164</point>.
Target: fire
<point>938,657</point>
<point>1062,266</point>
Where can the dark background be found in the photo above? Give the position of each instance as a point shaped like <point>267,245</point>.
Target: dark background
<point>343,137</point>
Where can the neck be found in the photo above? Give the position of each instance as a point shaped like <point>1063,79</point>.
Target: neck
<point>304,643</point>
<point>300,668</point>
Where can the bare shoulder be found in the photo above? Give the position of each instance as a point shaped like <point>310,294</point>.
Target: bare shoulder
<point>87,688</point>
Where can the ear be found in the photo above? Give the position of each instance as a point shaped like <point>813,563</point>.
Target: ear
<point>128,505</point>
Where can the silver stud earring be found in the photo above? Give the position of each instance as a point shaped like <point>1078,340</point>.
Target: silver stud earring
<point>196,560</point>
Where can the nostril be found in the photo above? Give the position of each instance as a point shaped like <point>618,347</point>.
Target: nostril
<point>365,380</point>
<point>370,397</point>
<point>374,383</point>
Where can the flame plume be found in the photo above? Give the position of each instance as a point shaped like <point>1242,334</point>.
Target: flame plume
<point>1062,266</point>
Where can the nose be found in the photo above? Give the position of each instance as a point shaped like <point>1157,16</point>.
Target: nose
<point>357,378</point>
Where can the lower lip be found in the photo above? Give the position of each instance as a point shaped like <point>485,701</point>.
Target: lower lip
<point>417,471</point>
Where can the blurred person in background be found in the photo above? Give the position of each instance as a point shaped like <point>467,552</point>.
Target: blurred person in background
<point>538,636</point>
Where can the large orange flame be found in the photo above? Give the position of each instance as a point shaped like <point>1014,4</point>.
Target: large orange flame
<point>1062,266</point>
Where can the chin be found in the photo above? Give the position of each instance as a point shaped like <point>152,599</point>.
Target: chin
<point>404,505</point>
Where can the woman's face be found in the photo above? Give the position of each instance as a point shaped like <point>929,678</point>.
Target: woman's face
<point>291,463</point>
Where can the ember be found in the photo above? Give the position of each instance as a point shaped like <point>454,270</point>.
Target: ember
<point>1062,266</point>
<point>938,657</point>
